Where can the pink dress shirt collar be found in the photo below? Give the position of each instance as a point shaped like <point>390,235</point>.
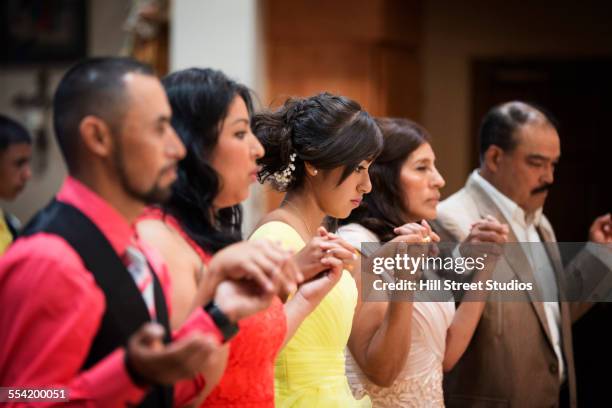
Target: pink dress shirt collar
<point>113,225</point>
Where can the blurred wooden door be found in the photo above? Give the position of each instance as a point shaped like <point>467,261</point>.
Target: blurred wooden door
<point>578,95</point>
<point>363,49</point>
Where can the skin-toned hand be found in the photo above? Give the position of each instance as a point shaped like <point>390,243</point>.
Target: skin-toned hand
<point>241,298</point>
<point>483,233</point>
<point>413,232</point>
<point>314,290</point>
<point>339,249</point>
<point>339,256</point>
<point>159,363</point>
<point>417,233</point>
<point>263,262</point>
<point>313,258</point>
<point>488,229</point>
<point>601,230</point>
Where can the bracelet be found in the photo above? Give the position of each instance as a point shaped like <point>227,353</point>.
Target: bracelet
<point>223,323</point>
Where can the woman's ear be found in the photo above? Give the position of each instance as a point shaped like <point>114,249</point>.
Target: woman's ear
<point>96,136</point>
<point>310,169</point>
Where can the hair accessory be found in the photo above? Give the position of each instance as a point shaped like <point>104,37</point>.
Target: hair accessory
<point>282,178</point>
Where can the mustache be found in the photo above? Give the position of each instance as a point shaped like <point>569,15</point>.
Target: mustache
<point>541,189</point>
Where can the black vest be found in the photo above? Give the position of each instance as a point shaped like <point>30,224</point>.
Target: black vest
<point>126,310</point>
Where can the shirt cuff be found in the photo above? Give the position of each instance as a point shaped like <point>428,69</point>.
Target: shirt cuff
<point>110,382</point>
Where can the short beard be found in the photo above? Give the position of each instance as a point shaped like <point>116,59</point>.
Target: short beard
<point>155,195</point>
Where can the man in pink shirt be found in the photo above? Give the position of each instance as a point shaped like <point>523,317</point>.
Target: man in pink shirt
<point>83,303</point>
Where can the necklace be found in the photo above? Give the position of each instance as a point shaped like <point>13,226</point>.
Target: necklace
<point>297,213</point>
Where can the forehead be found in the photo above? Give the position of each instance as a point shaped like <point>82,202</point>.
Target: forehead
<point>17,150</point>
<point>238,107</point>
<point>423,152</point>
<point>237,113</point>
<point>145,95</point>
<point>540,139</point>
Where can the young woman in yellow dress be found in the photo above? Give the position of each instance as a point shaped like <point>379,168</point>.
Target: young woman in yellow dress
<point>318,151</point>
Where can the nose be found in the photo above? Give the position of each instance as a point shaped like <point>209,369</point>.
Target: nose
<point>438,180</point>
<point>257,150</point>
<point>27,173</point>
<point>365,185</point>
<point>549,174</point>
<point>175,147</point>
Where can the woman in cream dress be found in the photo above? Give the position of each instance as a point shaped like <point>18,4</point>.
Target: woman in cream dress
<point>406,186</point>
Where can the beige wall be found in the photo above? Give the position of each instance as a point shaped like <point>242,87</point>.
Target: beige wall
<point>455,33</point>
<point>224,35</point>
<point>105,38</point>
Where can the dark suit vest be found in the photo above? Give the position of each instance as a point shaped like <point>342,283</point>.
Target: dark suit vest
<point>126,310</point>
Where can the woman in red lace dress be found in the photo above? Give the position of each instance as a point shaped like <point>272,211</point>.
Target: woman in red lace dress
<point>211,115</point>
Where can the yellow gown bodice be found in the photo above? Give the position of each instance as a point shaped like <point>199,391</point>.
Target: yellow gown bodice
<point>309,371</point>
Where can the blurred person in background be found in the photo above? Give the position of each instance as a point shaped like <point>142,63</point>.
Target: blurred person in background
<point>212,116</point>
<point>522,351</point>
<point>15,171</point>
<point>84,304</point>
<point>433,335</point>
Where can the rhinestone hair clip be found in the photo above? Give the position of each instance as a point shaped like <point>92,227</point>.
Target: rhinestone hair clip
<point>283,178</point>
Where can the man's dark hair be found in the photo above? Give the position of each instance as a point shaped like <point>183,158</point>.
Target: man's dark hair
<point>12,132</point>
<point>93,86</point>
<point>499,125</point>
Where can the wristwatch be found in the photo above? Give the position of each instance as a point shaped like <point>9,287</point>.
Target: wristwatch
<point>223,323</point>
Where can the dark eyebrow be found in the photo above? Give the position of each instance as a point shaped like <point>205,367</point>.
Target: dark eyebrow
<point>536,156</point>
<point>423,160</point>
<point>163,119</point>
<point>241,120</point>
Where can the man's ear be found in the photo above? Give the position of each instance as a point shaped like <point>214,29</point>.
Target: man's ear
<point>493,157</point>
<point>96,136</point>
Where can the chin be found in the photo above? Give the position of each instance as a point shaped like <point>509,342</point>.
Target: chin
<point>242,197</point>
<point>426,214</point>
<point>341,214</point>
<point>430,217</point>
<point>534,206</point>
<point>225,201</point>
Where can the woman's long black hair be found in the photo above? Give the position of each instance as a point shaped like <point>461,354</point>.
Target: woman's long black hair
<point>200,99</point>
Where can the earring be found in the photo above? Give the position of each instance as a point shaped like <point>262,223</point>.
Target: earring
<point>315,172</point>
